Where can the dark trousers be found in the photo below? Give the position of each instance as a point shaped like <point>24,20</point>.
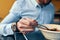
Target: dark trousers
<point>31,36</point>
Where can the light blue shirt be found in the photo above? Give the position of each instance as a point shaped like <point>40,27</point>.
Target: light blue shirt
<point>26,8</point>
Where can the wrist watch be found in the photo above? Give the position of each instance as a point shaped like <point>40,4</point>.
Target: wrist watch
<point>14,27</point>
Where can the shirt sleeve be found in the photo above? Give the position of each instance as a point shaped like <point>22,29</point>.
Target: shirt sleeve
<point>5,29</point>
<point>13,16</point>
<point>5,25</point>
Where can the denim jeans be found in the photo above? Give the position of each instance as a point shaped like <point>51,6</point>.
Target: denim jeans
<point>31,36</point>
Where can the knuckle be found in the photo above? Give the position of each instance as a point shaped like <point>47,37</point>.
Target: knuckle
<point>19,25</point>
<point>28,23</point>
<point>33,20</point>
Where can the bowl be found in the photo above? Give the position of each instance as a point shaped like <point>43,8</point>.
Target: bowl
<point>51,35</point>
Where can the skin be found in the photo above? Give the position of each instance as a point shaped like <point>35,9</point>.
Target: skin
<point>26,25</point>
<point>43,2</point>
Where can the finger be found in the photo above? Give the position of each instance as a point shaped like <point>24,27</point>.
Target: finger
<point>30,20</point>
<point>25,30</point>
<point>33,22</point>
<point>24,26</point>
<point>24,21</point>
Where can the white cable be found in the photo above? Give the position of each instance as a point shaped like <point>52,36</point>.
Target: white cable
<point>25,37</point>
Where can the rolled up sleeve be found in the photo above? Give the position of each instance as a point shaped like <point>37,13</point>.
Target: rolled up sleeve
<point>5,29</point>
<point>13,16</point>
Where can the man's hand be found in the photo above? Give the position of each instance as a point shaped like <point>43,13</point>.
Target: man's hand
<point>26,25</point>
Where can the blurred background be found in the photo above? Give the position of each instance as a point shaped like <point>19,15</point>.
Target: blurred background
<point>5,6</point>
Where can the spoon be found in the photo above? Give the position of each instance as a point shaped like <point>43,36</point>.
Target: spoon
<point>42,26</point>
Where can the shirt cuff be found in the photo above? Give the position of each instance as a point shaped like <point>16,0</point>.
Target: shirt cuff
<point>8,30</point>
